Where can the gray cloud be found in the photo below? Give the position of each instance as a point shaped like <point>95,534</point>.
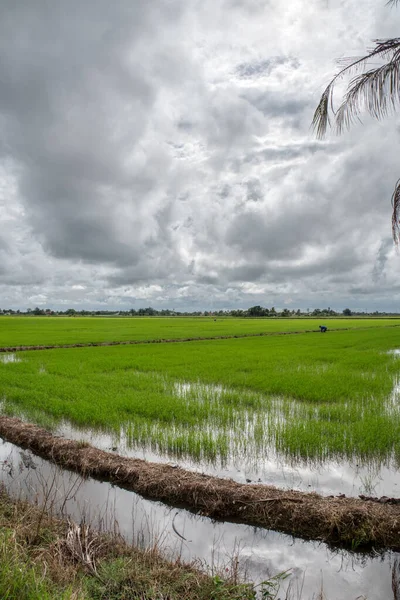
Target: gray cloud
<point>162,153</point>
<point>378,272</point>
<point>250,70</point>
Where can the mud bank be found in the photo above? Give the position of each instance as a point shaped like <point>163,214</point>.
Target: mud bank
<point>173,340</point>
<point>348,522</point>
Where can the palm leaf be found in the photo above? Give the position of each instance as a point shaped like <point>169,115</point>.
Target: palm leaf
<point>396,213</point>
<point>375,90</point>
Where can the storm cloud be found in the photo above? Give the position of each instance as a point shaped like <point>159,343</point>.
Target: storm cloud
<point>161,152</point>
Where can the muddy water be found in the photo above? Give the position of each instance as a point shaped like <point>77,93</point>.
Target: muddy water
<point>262,553</point>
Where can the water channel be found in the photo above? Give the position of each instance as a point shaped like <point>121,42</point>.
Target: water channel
<point>262,553</point>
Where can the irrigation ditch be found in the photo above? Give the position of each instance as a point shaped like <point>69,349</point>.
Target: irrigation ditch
<point>355,523</point>
<point>218,548</point>
<point>174,340</point>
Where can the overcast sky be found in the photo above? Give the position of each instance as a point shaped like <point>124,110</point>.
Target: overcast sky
<point>159,153</point>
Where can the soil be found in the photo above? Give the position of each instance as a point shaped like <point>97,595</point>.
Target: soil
<point>356,523</point>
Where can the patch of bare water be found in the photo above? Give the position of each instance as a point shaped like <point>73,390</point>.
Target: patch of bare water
<point>185,389</point>
<point>261,553</point>
<point>9,358</point>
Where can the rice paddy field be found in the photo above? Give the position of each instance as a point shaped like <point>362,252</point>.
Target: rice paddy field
<point>243,404</point>
<point>31,331</point>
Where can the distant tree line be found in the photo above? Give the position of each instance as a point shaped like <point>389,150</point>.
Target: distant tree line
<point>252,312</point>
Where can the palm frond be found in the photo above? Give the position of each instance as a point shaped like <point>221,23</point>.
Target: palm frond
<point>376,85</point>
<point>383,49</point>
<point>321,119</point>
<point>377,91</point>
<point>396,213</point>
<point>392,2</point>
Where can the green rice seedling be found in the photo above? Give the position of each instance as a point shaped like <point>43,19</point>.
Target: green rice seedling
<point>306,397</point>
<point>31,331</point>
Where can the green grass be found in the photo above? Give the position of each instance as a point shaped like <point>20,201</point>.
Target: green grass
<point>23,579</point>
<point>30,331</point>
<point>304,396</point>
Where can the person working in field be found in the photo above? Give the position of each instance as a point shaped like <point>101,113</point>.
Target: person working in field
<point>323,328</point>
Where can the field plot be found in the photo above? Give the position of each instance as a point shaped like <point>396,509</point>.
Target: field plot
<point>301,398</point>
<point>31,331</point>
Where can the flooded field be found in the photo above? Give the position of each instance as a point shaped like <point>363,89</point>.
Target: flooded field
<point>246,460</point>
<point>227,402</point>
<point>246,443</point>
<point>261,553</point>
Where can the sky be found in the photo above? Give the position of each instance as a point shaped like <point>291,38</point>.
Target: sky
<point>159,153</point>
